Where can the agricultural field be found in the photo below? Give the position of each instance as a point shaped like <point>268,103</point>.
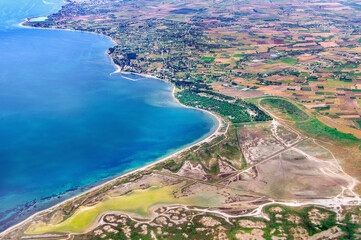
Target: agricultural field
<point>285,108</point>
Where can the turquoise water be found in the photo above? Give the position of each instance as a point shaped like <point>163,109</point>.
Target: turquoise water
<point>66,123</point>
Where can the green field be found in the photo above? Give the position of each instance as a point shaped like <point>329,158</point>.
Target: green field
<point>208,59</point>
<point>336,83</point>
<point>285,107</point>
<point>288,60</point>
<point>317,128</point>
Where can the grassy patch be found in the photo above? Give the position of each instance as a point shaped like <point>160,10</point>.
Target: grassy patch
<point>317,128</point>
<point>285,107</point>
<point>208,59</point>
<point>336,83</point>
<point>288,60</point>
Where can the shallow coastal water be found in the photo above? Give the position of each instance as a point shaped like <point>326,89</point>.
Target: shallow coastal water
<point>66,124</point>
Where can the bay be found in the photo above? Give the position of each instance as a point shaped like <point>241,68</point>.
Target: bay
<point>66,124</point>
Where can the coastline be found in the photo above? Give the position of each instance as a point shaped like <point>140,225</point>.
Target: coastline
<point>65,29</point>
<point>198,142</point>
<point>111,180</point>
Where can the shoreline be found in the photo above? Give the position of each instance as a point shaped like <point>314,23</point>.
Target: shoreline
<point>66,29</point>
<point>198,142</point>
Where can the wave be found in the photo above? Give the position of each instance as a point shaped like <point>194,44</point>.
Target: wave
<point>48,3</point>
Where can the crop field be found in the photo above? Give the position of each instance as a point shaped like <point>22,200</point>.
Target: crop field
<point>285,108</point>
<point>315,127</point>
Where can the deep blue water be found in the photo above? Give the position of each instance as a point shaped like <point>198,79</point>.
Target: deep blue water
<point>66,123</point>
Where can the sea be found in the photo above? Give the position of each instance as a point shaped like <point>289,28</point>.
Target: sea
<point>66,123</point>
